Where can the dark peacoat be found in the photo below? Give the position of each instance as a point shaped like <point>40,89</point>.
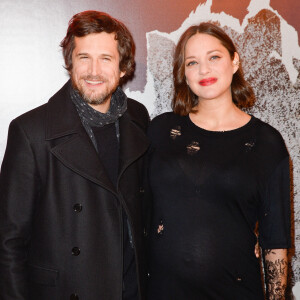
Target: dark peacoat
<point>60,216</point>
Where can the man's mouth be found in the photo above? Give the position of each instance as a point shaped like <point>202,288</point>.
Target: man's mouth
<point>93,82</point>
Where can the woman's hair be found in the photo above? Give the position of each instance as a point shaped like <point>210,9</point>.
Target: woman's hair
<point>184,99</point>
<point>91,21</point>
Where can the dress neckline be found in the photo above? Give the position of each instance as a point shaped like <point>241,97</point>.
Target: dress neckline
<point>220,133</point>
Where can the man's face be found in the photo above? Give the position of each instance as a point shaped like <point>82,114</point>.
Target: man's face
<point>95,73</point>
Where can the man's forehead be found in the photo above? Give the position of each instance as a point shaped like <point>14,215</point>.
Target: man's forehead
<point>96,42</point>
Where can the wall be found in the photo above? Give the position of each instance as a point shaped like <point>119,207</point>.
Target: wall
<point>265,31</point>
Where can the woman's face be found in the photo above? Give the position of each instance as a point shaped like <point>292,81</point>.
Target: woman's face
<point>209,67</point>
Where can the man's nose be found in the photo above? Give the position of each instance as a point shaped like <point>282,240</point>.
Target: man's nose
<point>95,67</point>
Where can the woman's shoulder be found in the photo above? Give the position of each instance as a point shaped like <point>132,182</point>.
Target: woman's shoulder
<point>165,119</point>
<point>166,116</point>
<point>269,136</point>
<point>267,131</point>
<point>162,123</point>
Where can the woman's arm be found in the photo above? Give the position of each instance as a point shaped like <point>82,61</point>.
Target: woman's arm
<point>276,269</point>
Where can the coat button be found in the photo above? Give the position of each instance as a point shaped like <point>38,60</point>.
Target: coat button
<point>74,297</point>
<point>75,251</point>
<point>77,207</point>
<point>142,190</point>
<point>145,232</point>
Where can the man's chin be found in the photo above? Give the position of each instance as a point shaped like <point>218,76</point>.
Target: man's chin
<point>95,99</point>
<point>91,97</point>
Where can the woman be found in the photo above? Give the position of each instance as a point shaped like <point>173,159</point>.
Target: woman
<point>216,171</point>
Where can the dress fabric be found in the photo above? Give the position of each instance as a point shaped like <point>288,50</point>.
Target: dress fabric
<point>209,190</point>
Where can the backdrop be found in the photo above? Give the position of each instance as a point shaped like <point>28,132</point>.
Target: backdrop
<point>265,31</point>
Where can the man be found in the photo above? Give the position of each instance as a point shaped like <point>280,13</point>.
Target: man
<point>71,224</point>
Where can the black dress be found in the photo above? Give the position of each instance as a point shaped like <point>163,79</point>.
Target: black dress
<point>209,190</point>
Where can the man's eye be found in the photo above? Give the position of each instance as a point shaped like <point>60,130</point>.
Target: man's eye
<point>83,57</point>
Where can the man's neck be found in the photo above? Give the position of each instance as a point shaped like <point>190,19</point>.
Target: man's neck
<point>103,107</point>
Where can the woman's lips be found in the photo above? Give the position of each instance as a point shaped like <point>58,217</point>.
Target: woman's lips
<point>208,81</point>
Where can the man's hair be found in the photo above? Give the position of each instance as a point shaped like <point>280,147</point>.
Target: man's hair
<point>184,99</point>
<point>91,21</point>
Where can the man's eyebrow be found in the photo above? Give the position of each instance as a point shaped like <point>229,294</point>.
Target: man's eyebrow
<point>105,54</point>
<point>81,53</point>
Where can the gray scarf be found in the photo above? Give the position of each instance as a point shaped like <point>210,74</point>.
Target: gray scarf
<point>93,118</point>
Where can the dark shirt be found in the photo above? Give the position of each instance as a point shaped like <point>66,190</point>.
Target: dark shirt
<point>108,150</point>
<point>209,190</point>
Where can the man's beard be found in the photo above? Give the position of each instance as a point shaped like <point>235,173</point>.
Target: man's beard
<point>92,97</point>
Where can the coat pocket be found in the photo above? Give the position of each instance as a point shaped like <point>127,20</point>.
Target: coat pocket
<point>43,276</point>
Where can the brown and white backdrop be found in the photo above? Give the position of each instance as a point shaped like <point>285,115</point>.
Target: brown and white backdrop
<point>265,31</point>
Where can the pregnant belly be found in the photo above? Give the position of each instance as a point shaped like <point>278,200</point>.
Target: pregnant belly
<point>200,254</point>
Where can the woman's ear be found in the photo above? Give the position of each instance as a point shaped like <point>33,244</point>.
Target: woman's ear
<point>235,62</point>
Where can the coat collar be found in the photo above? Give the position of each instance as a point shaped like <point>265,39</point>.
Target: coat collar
<point>77,151</point>
<point>61,118</point>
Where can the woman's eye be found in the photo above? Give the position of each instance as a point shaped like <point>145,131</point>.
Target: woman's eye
<point>191,63</point>
<point>214,57</point>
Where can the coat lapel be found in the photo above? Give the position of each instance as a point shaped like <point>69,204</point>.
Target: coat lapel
<point>77,151</point>
<point>133,142</point>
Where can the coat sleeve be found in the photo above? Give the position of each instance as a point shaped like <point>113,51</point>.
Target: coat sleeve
<point>18,190</point>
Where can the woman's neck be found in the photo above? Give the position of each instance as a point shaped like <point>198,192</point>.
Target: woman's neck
<point>218,115</point>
